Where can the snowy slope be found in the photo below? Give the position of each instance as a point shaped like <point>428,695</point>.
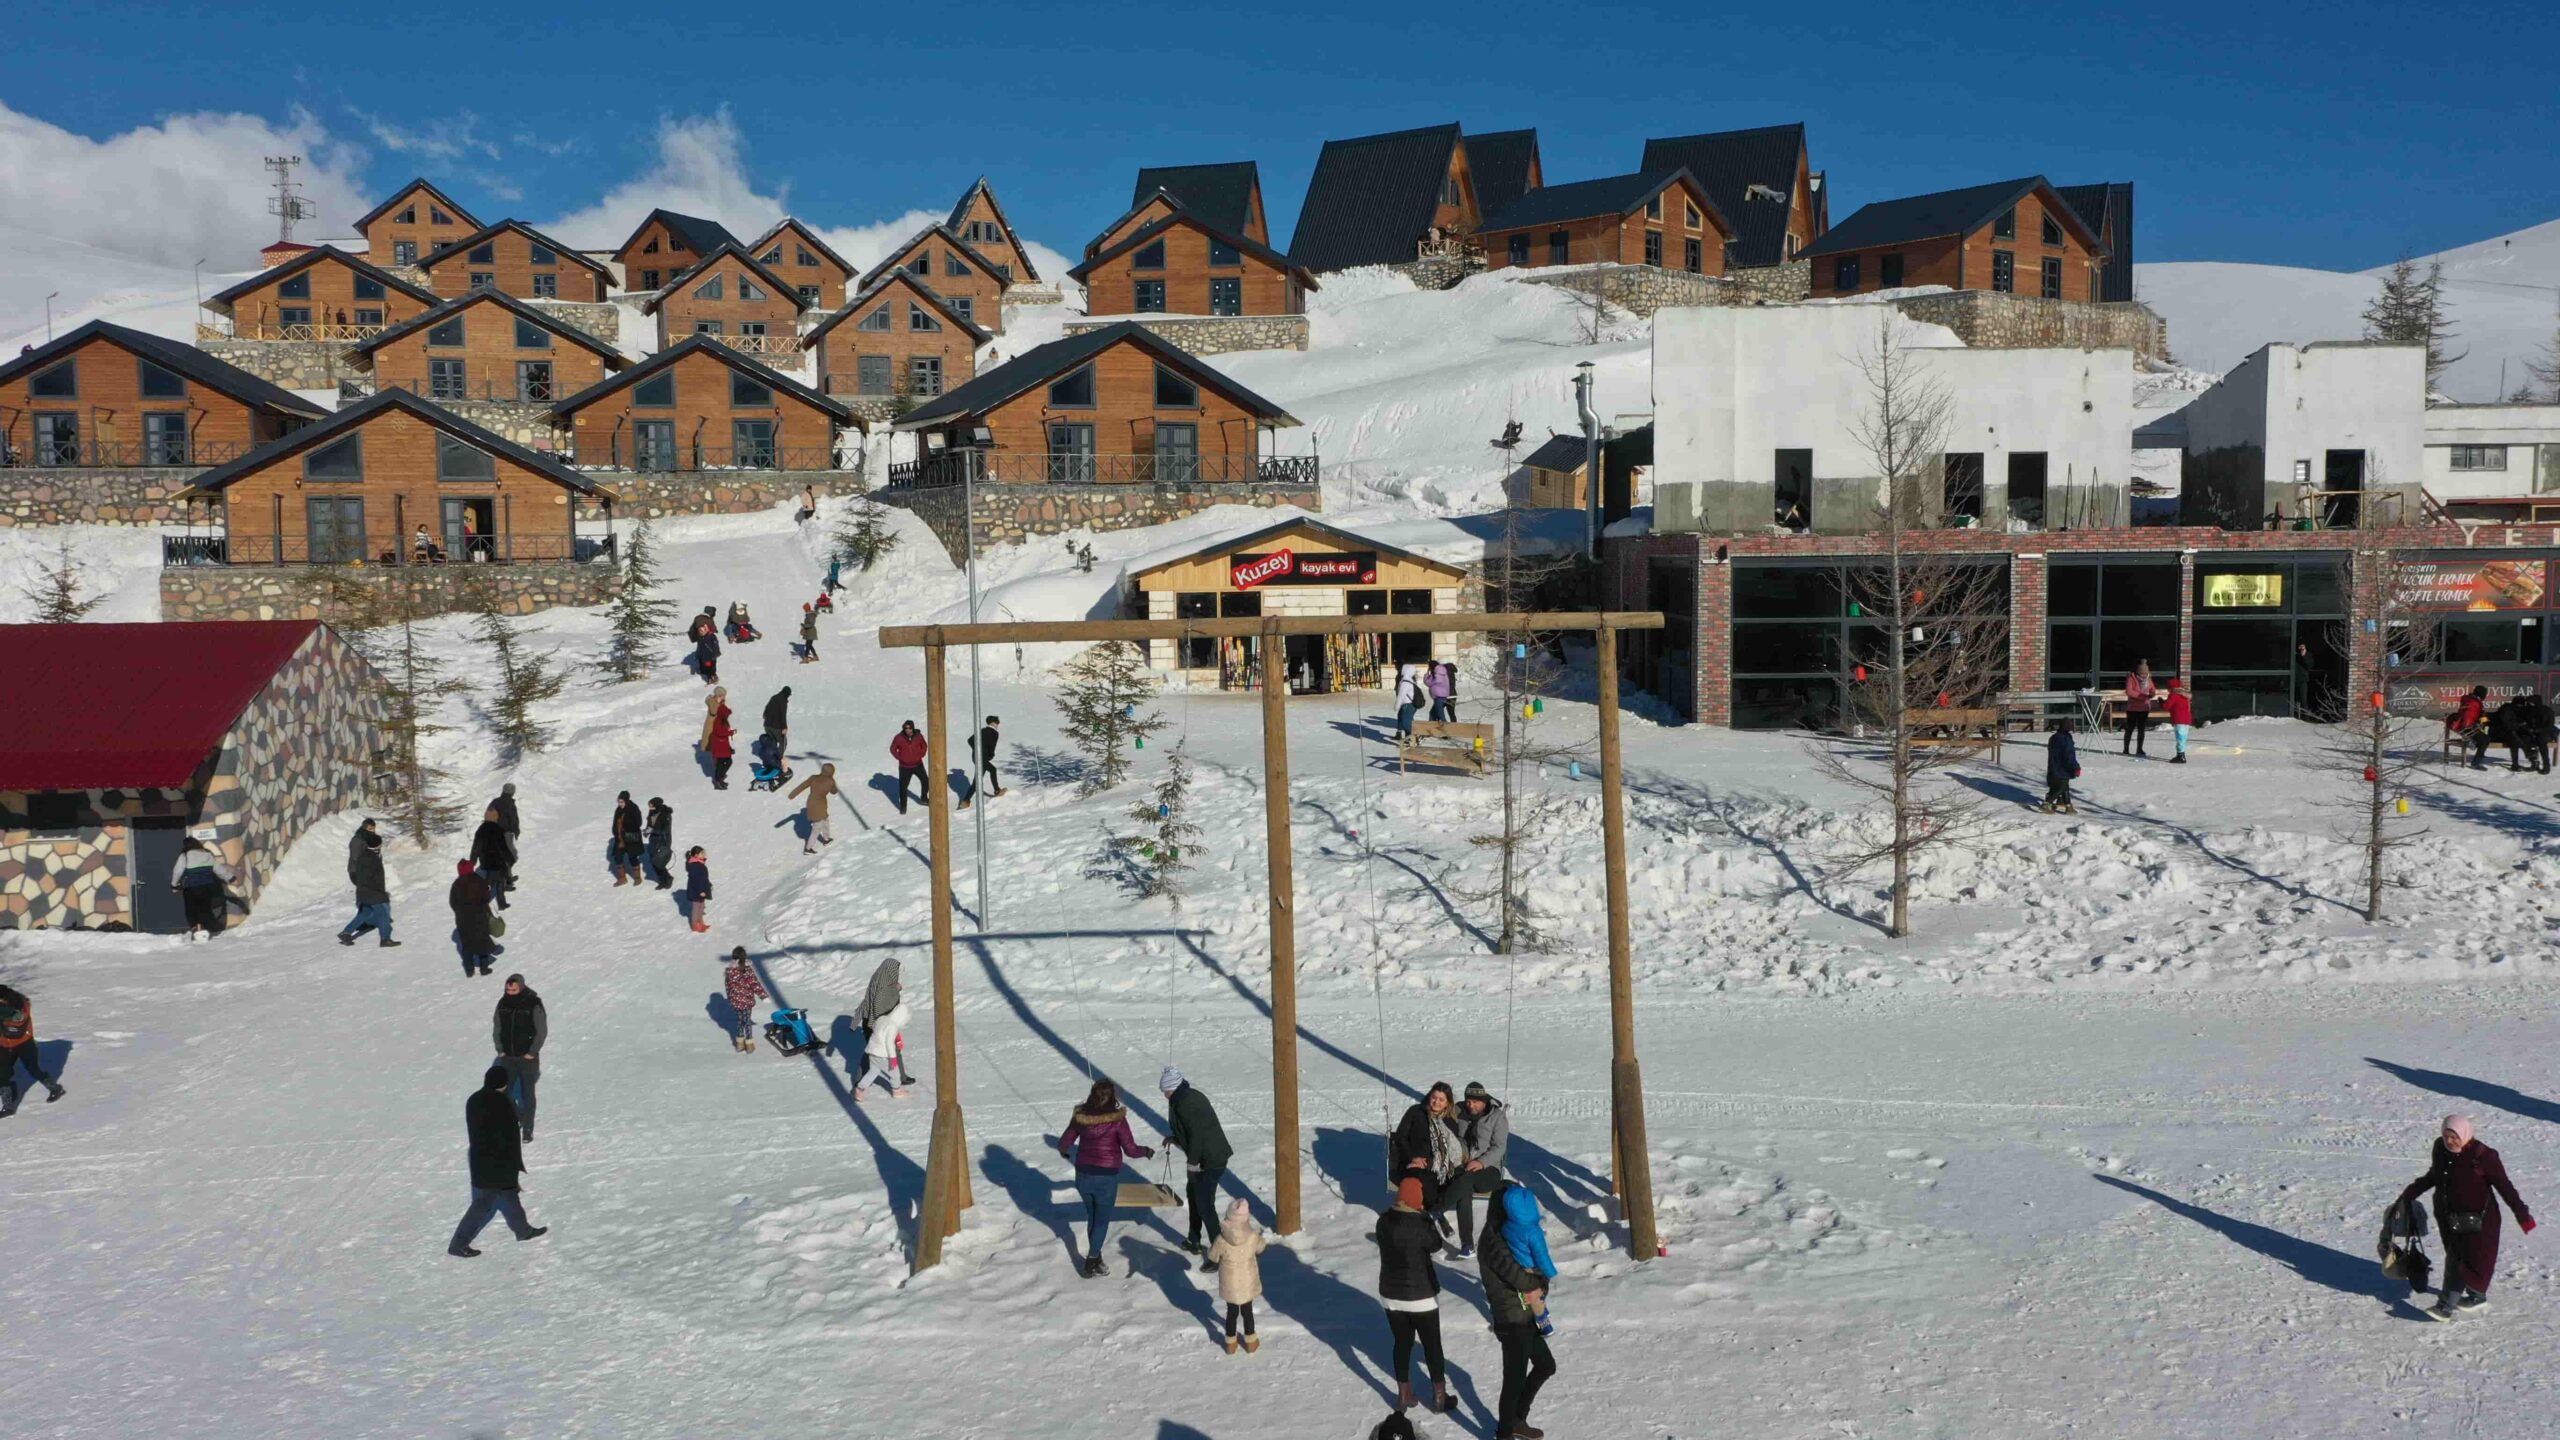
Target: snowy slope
<point>93,284</point>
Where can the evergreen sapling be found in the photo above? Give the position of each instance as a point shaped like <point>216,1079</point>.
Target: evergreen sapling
<point>525,678</point>
<point>1153,859</point>
<point>56,595</point>
<point>638,616</point>
<point>1099,704</point>
<point>863,537</point>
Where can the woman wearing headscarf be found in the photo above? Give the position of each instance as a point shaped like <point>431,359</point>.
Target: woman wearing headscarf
<point>2468,1179</point>
<point>880,1052</point>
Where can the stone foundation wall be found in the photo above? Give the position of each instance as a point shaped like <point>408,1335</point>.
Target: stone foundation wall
<point>1439,272</point>
<point>285,592</point>
<point>1011,514</point>
<point>1640,289</point>
<point>603,319</point>
<point>1018,295</point>
<point>526,422</point>
<point>76,877</point>
<point>1991,320</point>
<point>40,496</point>
<point>1215,334</point>
<point>647,495</point>
<point>1784,283</point>
<point>293,364</point>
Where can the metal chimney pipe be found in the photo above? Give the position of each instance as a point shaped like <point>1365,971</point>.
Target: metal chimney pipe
<point>1590,418</point>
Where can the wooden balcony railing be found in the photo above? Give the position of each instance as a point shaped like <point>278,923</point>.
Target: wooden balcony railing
<point>324,330</point>
<point>1066,468</point>
<point>202,548</point>
<point>621,455</point>
<point>784,344</point>
<point>187,454</point>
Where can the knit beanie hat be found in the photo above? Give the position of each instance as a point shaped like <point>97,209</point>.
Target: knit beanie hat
<point>516,979</point>
<point>1170,1080</point>
<point>495,1079</point>
<point>1476,1091</point>
<point>1409,1193</point>
<point>461,867</point>
<point>1240,1212</point>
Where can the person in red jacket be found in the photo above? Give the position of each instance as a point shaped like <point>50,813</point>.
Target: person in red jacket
<point>907,747</point>
<point>1096,1140</point>
<point>724,749</point>
<point>2469,1179</point>
<point>18,1047</point>
<point>2470,720</point>
<point>2182,718</point>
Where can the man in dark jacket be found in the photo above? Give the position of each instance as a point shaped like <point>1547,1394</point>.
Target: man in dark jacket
<point>1509,1287</point>
<point>493,849</point>
<point>469,898</point>
<point>777,718</point>
<point>662,841</point>
<point>1484,1128</point>
<point>2061,767</point>
<point>517,1029</point>
<point>1195,1131</point>
<point>373,894</point>
<point>627,846</point>
<point>497,1158</point>
<point>984,748</point>
<point>505,805</point>
<point>706,654</point>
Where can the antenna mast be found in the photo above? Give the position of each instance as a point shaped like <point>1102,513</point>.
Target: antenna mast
<point>285,205</point>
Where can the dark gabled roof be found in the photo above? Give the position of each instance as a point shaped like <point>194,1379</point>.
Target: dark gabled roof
<point>802,229</point>
<point>960,212</point>
<point>1726,165</point>
<point>1608,197</point>
<point>363,410</point>
<point>1345,538</point>
<point>146,718</point>
<point>869,277</point>
<point>895,277</point>
<point>1371,198</point>
<point>1927,217</point>
<point>694,345</point>
<point>187,360</point>
<point>1501,163</point>
<point>699,235</point>
<point>357,263</point>
<point>1221,194</point>
<point>782,288</point>
<point>570,252</point>
<point>1093,246</point>
<point>613,358</point>
<point>378,211</point>
<point>1560,452</point>
<point>1046,362</point>
<point>2093,202</point>
<point>1183,215</point>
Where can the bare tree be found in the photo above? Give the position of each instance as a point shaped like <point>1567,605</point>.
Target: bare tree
<point>1942,634</point>
<point>2389,631</point>
<point>57,594</point>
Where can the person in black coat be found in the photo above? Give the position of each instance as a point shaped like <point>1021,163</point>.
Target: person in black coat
<point>373,893</point>
<point>627,845</point>
<point>697,888</point>
<point>706,655</point>
<point>777,718</point>
<point>497,1159</point>
<point>1195,1131</point>
<point>2469,1180</point>
<point>1425,1145</point>
<point>505,805</point>
<point>1409,1288</point>
<point>662,842</point>
<point>2061,767</point>
<point>517,1029</point>
<point>470,900</point>
<point>493,849</point>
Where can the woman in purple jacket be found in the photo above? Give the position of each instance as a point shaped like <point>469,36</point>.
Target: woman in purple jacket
<point>2469,1179</point>
<point>1096,1141</point>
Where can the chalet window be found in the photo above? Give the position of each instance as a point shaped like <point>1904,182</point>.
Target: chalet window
<point>1177,454</point>
<point>919,319</point>
<point>966,307</point>
<point>2051,267</point>
<point>1147,296</point>
<point>2004,271</point>
<point>1693,219</point>
<point>751,444</point>
<point>1150,256</point>
<point>533,380</point>
<point>877,320</point>
<point>1889,270</point>
<point>404,252</point>
<point>1226,295</point>
<point>62,382</point>
<point>530,336</point>
<point>1450,194</point>
<point>872,374</point>
<point>771,257</point>
<point>954,266</point>
<point>756,328</point>
<point>367,288</point>
<point>1520,247</point>
<point>372,317</point>
<point>445,380</point>
<point>808,294</point>
<point>164,437</point>
<point>1653,208</point>
<point>706,327</point>
<point>651,248</point>
<point>294,316</point>
<point>648,279</point>
<point>748,289</point>
<point>2006,227</point>
<point>2052,231</point>
<point>924,375</point>
<point>653,444</point>
<point>1653,247</point>
<point>406,217</point>
<point>922,264</point>
<point>483,254</point>
<point>1559,246</point>
<point>710,289</point>
<point>658,392</point>
<point>1005,273</point>
<point>1693,255</point>
<point>1222,254</point>
<point>748,392</point>
<point>1844,274</point>
<point>802,256</point>
<point>1071,459</point>
<point>546,286</point>
<point>1174,392</point>
<point>447,332</point>
<point>543,255</point>
<point>57,437</point>
<point>295,287</point>
<point>484,280</point>
<point>438,217</point>
<point>341,459</point>
<point>159,382</point>
<point>2479,457</point>
<point>335,527</point>
<point>1073,391</point>
<point>457,460</point>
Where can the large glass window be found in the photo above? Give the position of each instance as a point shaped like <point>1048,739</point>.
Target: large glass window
<point>1147,297</point>
<point>61,382</point>
<point>1074,390</point>
<point>164,437</point>
<point>368,288</point>
<point>161,383</point>
<point>1223,254</point>
<point>751,443</point>
<point>1226,295</point>
<point>2270,637</point>
<point>341,459</point>
<point>1150,256</point>
<point>653,445</point>
<point>747,391</point>
<point>57,435</point>
<point>873,372</point>
<point>445,333</point>
<point>2107,616</point>
<point>445,381</point>
<point>1174,392</point>
<point>460,460</point>
<point>1800,632</point>
<point>924,375</point>
<point>658,392</point>
<point>530,336</point>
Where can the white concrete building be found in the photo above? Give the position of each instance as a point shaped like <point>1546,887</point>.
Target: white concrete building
<point>2494,462</point>
<point>1756,415</point>
<point>2323,430</point>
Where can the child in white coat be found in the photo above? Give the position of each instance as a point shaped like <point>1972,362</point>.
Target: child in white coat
<point>879,1053</point>
<point>1236,1252</point>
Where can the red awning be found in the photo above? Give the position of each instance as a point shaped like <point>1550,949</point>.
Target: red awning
<point>106,707</point>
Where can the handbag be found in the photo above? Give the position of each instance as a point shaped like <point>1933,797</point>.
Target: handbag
<point>497,926</point>
<point>2461,1222</point>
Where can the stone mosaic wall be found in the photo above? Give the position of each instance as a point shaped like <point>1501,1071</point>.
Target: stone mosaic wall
<point>92,497</point>
<point>1215,334</point>
<point>526,422</point>
<point>1010,514</point>
<point>1991,320</point>
<point>293,364</point>
<point>282,592</point>
<point>646,495</point>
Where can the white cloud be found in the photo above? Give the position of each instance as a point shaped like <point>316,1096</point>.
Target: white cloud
<point>191,186</point>
<point>450,138</point>
<point>867,245</point>
<point>700,170</point>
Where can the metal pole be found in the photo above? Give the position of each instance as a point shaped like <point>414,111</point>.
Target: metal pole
<point>977,764</point>
<point>1284,928</point>
<point>939,1216</point>
<point>1633,1167</point>
<point>1590,416</point>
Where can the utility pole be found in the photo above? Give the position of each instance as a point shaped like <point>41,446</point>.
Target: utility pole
<point>1284,926</point>
<point>285,205</point>
<point>977,715</point>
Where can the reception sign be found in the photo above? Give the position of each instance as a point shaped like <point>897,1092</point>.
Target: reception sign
<point>2471,584</point>
<point>2244,592</point>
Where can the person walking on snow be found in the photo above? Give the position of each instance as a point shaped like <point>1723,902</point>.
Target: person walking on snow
<point>2181,708</point>
<point>2469,1179</point>
<point>1408,698</point>
<point>1484,1131</point>
<point>517,1028</point>
<point>1237,1257</point>
<point>373,894</point>
<point>835,574</point>
<point>724,751</point>
<point>18,1048</point>
<point>777,719</point>
<point>706,654</point>
<point>200,876</point>
<point>808,635</point>
<point>1097,1138</point>
<point>744,989</point>
<point>662,842</point>
<point>983,749</point>
<point>1195,1132</point>
<point>2140,694</point>
<point>715,712</point>
<point>697,888</point>
<point>1443,682</point>
<point>469,897</point>
<point>505,805</point>
<point>879,998</point>
<point>819,788</point>
<point>907,747</point>
<point>627,842</point>
<point>1516,1270</point>
<point>494,851</point>
<point>1409,1288</point>
<point>880,1053</point>
<point>2470,721</point>
<point>1425,1145</point>
<point>2061,767</point>
<point>497,1163</point>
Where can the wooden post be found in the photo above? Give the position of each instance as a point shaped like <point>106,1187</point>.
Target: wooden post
<point>945,1170</point>
<point>1633,1179</point>
<point>1284,927</point>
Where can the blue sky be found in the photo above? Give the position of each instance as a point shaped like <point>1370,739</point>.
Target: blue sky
<point>2334,135</point>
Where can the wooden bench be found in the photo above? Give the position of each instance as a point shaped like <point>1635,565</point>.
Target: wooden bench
<point>1455,744</point>
<point>1968,727</point>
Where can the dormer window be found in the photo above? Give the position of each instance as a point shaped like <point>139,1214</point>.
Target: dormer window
<point>1653,208</point>
<point>483,254</point>
<point>406,217</point>
<point>651,248</point>
<point>543,255</point>
<point>876,320</point>
<point>805,258</point>
<point>770,257</point>
<point>2052,231</point>
<point>438,217</point>
<point>748,289</point>
<point>918,319</point>
<point>2006,227</point>
<point>710,289</point>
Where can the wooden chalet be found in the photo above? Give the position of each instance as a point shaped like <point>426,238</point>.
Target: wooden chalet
<point>1110,406</point>
<point>1180,263</point>
<point>1663,219</point>
<point>729,297</point>
<point>2015,237</point>
<point>698,406</point>
<point>2107,208</point>
<point>1551,477</point>
<point>359,486</point>
<point>487,345</point>
<point>1299,567</point>
<point>1387,200</point>
<point>896,340</point>
<point>327,294</point>
<point>415,222</point>
<point>107,396</point>
<point>516,259</point>
<point>665,245</point>
<point>938,257</point>
<point>980,221</point>
<point>815,271</point>
<point>1763,181</point>
<point>1506,167</point>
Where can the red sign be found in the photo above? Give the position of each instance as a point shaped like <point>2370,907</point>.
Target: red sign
<point>1287,567</point>
<point>2467,584</point>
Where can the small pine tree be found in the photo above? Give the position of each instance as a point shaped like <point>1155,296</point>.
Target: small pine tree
<point>1105,686</point>
<point>2410,310</point>
<point>56,594</point>
<point>863,536</point>
<point>414,682</point>
<point>1154,858</point>
<point>525,678</point>
<point>637,616</point>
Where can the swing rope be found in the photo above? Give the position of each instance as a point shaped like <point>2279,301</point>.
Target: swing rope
<point>1367,814</point>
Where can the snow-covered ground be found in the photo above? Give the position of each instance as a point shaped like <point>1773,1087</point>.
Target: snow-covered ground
<point>2101,1152</point>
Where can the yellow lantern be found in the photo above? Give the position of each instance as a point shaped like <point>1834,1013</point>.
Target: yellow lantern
<point>2404,804</point>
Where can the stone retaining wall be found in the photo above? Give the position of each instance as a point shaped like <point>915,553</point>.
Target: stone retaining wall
<point>602,319</point>
<point>1019,295</point>
<point>1991,320</point>
<point>1439,272</point>
<point>284,592</point>
<point>1214,334</point>
<point>293,364</point>
<point>526,422</point>
<point>647,495</point>
<point>44,496</point>
<point>1640,289</point>
<point>1781,284</point>
<point>1011,514</point>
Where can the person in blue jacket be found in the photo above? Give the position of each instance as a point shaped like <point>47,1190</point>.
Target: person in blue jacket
<point>2061,767</point>
<point>1517,1269</point>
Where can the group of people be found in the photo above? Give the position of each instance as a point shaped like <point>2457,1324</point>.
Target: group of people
<point>2524,724</point>
<point>1433,683</point>
<point>2143,697</point>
